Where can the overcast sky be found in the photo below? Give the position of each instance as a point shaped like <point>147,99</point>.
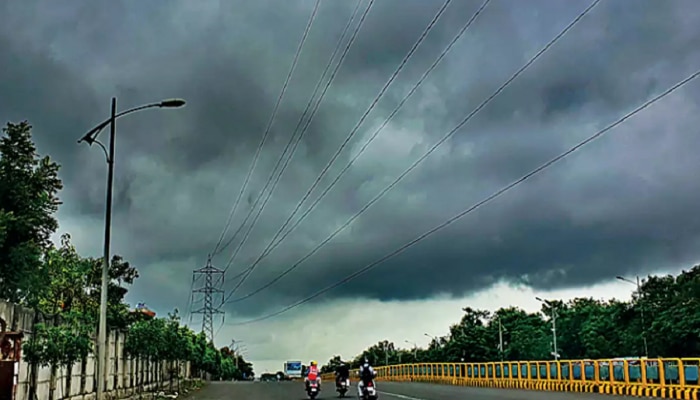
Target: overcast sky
<point>623,205</point>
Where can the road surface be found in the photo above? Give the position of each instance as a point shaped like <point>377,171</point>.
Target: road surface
<point>387,391</point>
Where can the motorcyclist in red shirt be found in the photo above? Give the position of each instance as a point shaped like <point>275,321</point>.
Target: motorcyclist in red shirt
<point>312,374</point>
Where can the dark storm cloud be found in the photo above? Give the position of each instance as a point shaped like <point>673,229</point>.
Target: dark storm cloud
<point>622,206</point>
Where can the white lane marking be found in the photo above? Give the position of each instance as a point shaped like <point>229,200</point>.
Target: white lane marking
<point>400,396</point>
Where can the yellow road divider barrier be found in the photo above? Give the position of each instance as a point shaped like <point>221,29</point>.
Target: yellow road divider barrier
<point>674,378</point>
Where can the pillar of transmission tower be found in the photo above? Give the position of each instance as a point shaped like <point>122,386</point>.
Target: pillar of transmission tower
<point>208,291</point>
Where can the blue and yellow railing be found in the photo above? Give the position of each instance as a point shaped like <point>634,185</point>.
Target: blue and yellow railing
<point>675,378</point>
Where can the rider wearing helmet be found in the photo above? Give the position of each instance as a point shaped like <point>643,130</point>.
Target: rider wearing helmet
<point>312,374</point>
<point>342,372</point>
<point>367,375</point>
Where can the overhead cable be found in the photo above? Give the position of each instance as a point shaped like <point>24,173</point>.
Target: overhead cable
<point>424,156</point>
<point>477,205</point>
<point>354,130</point>
<point>217,248</point>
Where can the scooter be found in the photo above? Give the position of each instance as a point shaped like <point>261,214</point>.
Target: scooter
<point>313,390</point>
<point>369,392</point>
<point>341,386</point>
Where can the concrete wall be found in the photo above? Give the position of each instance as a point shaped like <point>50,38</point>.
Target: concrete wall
<point>124,374</point>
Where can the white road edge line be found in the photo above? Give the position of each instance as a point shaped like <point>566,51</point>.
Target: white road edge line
<point>400,396</point>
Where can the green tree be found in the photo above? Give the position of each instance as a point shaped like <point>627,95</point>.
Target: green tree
<point>207,358</point>
<point>121,274</point>
<point>470,339</point>
<point>228,369</point>
<point>178,346</point>
<point>672,311</point>
<point>376,354</point>
<point>59,345</point>
<point>526,336</point>
<point>63,280</point>
<point>146,340</point>
<point>29,187</point>
<point>666,310</point>
<point>245,369</point>
<point>70,282</point>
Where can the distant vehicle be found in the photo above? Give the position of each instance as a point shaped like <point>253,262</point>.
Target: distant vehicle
<point>293,369</point>
<point>268,378</point>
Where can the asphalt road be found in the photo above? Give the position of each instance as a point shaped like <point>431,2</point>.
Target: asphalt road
<point>387,391</point>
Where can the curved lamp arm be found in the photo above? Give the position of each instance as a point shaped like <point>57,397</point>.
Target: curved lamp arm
<point>91,136</point>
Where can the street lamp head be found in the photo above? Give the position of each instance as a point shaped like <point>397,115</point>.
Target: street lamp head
<point>172,103</point>
<point>620,278</point>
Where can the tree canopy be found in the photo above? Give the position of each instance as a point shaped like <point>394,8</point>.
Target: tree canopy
<point>64,287</point>
<point>666,310</point>
<point>29,187</point>
<point>164,339</point>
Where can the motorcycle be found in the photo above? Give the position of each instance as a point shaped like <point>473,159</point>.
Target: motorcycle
<point>312,390</point>
<point>369,392</point>
<point>341,386</point>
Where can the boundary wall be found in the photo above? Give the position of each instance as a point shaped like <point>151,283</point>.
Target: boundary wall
<point>125,376</point>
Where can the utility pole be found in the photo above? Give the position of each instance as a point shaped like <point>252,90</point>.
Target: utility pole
<point>641,311</point>
<point>500,338</point>
<point>415,350</point>
<point>555,351</point>
<point>386,353</point>
<point>208,310</point>
<point>235,352</point>
<point>642,302</point>
<point>90,138</point>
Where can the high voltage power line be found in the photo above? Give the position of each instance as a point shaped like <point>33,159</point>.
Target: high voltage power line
<point>217,248</point>
<point>352,133</point>
<point>425,155</point>
<point>486,200</point>
<point>294,139</point>
<point>190,300</point>
<point>272,245</point>
<point>209,309</point>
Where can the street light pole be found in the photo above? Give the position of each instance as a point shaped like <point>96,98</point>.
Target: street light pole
<point>90,138</point>
<point>386,353</point>
<point>554,334</point>
<point>235,355</point>
<point>555,352</point>
<point>415,350</point>
<point>237,350</point>
<point>500,337</point>
<point>102,329</point>
<point>641,310</point>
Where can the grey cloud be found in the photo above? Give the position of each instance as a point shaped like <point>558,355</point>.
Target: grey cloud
<point>622,205</point>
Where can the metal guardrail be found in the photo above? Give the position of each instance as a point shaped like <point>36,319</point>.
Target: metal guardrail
<point>675,378</point>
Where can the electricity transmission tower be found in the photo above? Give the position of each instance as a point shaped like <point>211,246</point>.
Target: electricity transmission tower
<point>208,291</point>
